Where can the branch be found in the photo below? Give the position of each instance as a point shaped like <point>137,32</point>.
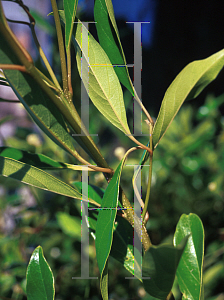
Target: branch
<point>13,67</point>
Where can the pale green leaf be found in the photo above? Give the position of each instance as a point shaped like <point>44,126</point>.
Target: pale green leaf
<point>187,85</point>
<point>37,178</point>
<point>189,271</point>
<point>37,103</point>
<point>103,86</point>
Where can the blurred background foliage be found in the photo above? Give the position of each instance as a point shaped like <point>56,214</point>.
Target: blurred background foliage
<point>188,166</point>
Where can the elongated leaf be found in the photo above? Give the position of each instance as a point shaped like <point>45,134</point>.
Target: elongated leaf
<point>70,7</point>
<point>35,100</point>
<point>37,177</point>
<point>40,279</point>
<point>37,160</point>
<point>110,10</point>
<point>102,85</point>
<point>122,247</point>
<point>189,271</point>
<point>106,217</point>
<point>159,266</point>
<point>187,85</point>
<point>105,221</point>
<point>110,41</point>
<point>50,109</point>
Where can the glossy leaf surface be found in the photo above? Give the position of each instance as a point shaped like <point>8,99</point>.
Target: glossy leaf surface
<point>70,7</point>
<point>189,271</point>
<point>36,177</point>
<point>122,247</point>
<point>187,85</point>
<point>105,223</point>
<point>105,220</point>
<point>110,41</point>
<point>102,85</point>
<point>40,280</point>
<point>159,266</point>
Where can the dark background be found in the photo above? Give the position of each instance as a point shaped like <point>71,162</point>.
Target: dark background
<point>180,32</point>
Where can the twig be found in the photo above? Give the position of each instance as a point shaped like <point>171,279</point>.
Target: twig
<point>61,47</point>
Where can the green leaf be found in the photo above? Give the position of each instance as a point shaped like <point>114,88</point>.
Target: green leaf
<point>70,7</point>
<point>37,177</point>
<point>39,161</point>
<point>109,39</point>
<point>122,246</point>
<point>40,279</point>
<point>187,85</point>
<point>105,221</point>
<point>94,192</point>
<point>103,86</point>
<point>37,103</point>
<point>70,225</point>
<point>106,217</point>
<point>159,265</point>
<point>189,271</point>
